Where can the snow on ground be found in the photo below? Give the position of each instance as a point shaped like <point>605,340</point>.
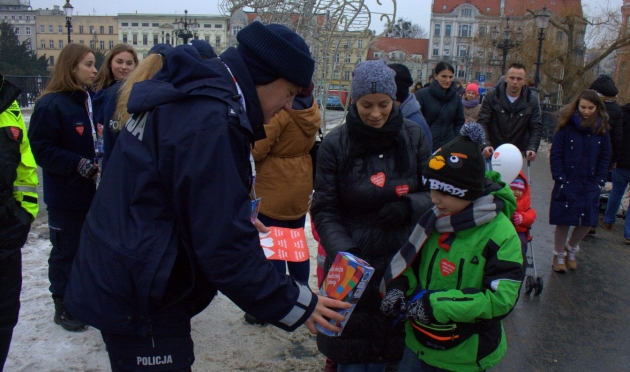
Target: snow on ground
<point>223,341</point>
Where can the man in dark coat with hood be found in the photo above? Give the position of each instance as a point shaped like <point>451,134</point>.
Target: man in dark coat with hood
<point>171,223</point>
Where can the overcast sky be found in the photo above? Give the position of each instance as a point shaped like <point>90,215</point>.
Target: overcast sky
<point>418,11</point>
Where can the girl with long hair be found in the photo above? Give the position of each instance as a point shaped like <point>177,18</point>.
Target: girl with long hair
<point>120,62</point>
<point>580,154</point>
<point>64,141</point>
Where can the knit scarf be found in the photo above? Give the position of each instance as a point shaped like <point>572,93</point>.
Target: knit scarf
<point>470,103</point>
<point>367,140</point>
<point>479,212</point>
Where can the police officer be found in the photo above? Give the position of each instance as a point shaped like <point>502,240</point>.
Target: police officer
<point>18,208</point>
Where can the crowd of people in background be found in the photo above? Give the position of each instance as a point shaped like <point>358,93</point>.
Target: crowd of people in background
<point>204,152</point>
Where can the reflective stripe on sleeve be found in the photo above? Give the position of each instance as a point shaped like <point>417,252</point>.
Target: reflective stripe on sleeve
<point>298,310</point>
<point>25,188</point>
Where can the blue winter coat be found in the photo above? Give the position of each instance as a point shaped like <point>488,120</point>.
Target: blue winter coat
<point>170,224</point>
<point>443,111</point>
<point>61,134</point>
<point>411,110</point>
<point>579,164</point>
<point>104,109</point>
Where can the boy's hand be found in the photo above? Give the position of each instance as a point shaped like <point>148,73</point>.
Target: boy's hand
<point>394,303</point>
<point>325,308</point>
<point>416,310</point>
<point>517,218</point>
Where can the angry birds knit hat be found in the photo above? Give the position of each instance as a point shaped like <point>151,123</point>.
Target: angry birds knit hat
<point>457,168</point>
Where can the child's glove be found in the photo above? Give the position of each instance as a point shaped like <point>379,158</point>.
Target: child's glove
<point>87,169</point>
<point>394,213</point>
<point>517,218</point>
<point>394,303</point>
<point>416,310</point>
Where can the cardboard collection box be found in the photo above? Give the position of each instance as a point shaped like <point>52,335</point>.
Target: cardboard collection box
<point>346,280</point>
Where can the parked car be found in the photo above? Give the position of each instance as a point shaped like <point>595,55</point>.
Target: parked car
<point>334,103</point>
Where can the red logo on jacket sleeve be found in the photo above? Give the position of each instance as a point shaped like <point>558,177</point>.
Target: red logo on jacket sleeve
<point>16,132</point>
<point>402,190</point>
<point>79,130</point>
<point>378,179</point>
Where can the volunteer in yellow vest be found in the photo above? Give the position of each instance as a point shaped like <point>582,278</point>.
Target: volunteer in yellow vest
<point>18,208</point>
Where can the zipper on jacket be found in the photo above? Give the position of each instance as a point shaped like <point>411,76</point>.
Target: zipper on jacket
<point>431,268</point>
<point>456,299</point>
<point>460,273</point>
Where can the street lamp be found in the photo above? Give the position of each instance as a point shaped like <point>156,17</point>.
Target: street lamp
<point>506,43</point>
<point>183,27</point>
<point>67,9</point>
<point>542,19</point>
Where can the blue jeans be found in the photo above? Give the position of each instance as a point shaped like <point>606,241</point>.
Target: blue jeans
<point>366,367</point>
<point>620,180</point>
<point>411,363</point>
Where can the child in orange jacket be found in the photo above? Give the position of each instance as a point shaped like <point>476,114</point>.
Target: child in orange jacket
<point>525,215</point>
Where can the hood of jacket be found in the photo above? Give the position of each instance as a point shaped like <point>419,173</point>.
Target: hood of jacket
<point>501,190</point>
<point>308,120</point>
<point>605,86</point>
<point>410,106</point>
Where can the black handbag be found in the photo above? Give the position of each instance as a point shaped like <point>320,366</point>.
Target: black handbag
<point>314,149</point>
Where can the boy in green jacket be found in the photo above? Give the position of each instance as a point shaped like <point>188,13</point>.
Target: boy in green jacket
<point>461,271</point>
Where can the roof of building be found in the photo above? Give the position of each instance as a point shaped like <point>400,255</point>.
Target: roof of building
<point>394,44</point>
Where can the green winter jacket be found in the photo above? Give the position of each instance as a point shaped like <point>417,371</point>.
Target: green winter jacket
<point>472,287</point>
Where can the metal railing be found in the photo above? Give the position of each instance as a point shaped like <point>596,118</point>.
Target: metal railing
<point>548,112</point>
<point>31,86</point>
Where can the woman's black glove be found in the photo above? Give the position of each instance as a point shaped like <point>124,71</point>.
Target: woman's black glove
<point>394,213</point>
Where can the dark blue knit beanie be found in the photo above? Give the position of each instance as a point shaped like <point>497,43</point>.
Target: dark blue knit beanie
<point>162,49</point>
<point>204,48</point>
<point>274,51</point>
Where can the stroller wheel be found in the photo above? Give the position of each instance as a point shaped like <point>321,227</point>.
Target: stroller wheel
<point>539,286</point>
<point>529,284</point>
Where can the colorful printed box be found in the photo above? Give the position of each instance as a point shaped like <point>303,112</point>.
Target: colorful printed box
<point>346,280</point>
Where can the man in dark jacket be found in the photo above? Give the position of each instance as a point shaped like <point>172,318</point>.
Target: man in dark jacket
<point>171,223</point>
<point>18,207</point>
<point>510,113</point>
<point>607,90</point>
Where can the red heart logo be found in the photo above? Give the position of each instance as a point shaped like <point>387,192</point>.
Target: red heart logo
<point>496,154</point>
<point>402,190</point>
<point>15,132</point>
<point>79,130</point>
<point>447,267</point>
<point>378,179</point>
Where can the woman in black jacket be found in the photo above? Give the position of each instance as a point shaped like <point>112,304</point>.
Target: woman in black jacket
<point>368,197</point>
<point>442,106</point>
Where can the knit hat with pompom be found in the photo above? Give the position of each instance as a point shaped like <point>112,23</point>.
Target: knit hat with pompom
<point>458,168</point>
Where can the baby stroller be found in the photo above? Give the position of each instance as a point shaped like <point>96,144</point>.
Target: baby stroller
<point>531,284</point>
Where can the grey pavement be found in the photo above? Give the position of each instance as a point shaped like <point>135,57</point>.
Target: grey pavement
<point>581,320</point>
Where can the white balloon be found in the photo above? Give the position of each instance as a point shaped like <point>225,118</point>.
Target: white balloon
<point>508,161</point>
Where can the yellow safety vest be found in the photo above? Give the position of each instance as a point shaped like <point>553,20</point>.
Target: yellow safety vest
<point>24,187</point>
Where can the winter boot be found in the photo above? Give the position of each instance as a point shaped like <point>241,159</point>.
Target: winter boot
<point>65,319</point>
<point>571,262</point>
<point>558,263</point>
<point>253,320</point>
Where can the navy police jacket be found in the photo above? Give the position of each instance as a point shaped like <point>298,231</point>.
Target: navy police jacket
<point>104,110</point>
<point>61,134</point>
<point>170,224</point>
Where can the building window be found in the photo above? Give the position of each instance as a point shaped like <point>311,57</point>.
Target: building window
<point>336,57</point>
<point>60,44</point>
<point>437,29</point>
<point>462,50</point>
<point>336,75</point>
<point>436,49</point>
<point>80,29</point>
<point>155,39</point>
<point>348,58</point>
<point>218,25</point>
<point>155,24</point>
<point>125,38</point>
<point>27,30</point>
<point>235,30</point>
<point>217,41</point>
<point>20,17</point>
<point>51,43</point>
<point>377,54</point>
<point>346,75</point>
<point>102,44</point>
<point>101,29</point>
<point>51,61</point>
<point>464,31</point>
<point>111,30</point>
<point>168,38</point>
<point>359,59</point>
<point>91,30</point>
<point>111,44</point>
<point>43,44</point>
<point>466,12</point>
<point>28,18</point>
<point>60,29</point>
<point>92,44</point>
<point>134,39</point>
<point>41,29</point>
<point>17,30</point>
<point>360,43</point>
<point>447,50</point>
<point>81,42</point>
<point>482,31</point>
<point>447,30</point>
<point>124,24</point>
<point>145,39</point>
<point>50,28</point>
<point>134,24</point>
<point>461,73</point>
<point>207,25</point>
<point>145,24</point>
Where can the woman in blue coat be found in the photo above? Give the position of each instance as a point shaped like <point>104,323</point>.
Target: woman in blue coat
<point>580,154</point>
<point>63,139</point>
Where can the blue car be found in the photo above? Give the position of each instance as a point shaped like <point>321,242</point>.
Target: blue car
<point>334,103</point>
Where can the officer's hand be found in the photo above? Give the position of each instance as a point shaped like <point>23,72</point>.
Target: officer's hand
<point>487,152</point>
<point>87,169</point>
<point>531,155</point>
<point>325,308</point>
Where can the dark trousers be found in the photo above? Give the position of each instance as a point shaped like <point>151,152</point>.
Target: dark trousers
<point>299,271</point>
<point>13,235</point>
<point>65,231</point>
